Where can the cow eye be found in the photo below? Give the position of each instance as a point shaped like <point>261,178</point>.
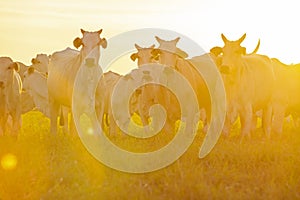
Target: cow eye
<point>9,68</point>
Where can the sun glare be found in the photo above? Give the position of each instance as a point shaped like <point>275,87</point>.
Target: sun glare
<point>9,161</point>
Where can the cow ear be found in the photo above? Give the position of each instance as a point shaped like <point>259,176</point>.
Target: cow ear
<point>15,66</point>
<point>103,43</point>
<point>133,56</point>
<point>216,51</point>
<point>77,42</point>
<point>155,52</point>
<point>33,60</point>
<point>243,51</point>
<point>30,70</point>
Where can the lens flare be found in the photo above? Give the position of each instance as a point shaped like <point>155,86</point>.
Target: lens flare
<point>9,162</point>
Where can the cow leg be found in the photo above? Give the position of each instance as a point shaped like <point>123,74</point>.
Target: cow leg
<point>227,126</point>
<point>144,115</point>
<point>54,113</point>
<point>230,118</point>
<point>101,115</point>
<point>111,124</point>
<point>253,124</point>
<point>65,113</point>
<point>296,121</point>
<point>246,119</point>
<point>203,118</point>
<point>3,121</point>
<point>169,126</point>
<point>1,130</point>
<point>278,119</point>
<point>16,121</point>
<point>73,129</point>
<point>267,120</point>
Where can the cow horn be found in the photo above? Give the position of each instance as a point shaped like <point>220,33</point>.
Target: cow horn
<point>256,48</point>
<point>158,39</point>
<point>82,31</point>
<point>176,39</point>
<point>100,31</point>
<point>225,40</point>
<point>241,39</point>
<point>137,46</point>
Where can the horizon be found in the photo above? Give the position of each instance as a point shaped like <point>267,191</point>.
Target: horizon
<point>46,27</point>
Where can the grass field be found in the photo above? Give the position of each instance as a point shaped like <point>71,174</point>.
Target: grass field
<point>59,167</point>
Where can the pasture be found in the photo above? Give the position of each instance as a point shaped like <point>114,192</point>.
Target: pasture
<point>59,167</point>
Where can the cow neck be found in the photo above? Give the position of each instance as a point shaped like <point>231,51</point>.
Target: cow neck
<point>9,89</point>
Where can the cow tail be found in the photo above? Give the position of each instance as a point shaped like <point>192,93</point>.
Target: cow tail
<point>61,118</point>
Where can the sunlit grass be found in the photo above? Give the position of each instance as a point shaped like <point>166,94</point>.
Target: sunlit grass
<point>59,167</point>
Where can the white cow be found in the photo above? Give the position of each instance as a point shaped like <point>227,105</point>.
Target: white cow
<point>172,56</point>
<point>251,82</point>
<point>232,112</point>
<point>286,95</point>
<point>40,63</point>
<point>63,68</point>
<point>104,92</point>
<point>35,84</point>
<point>10,95</point>
<point>140,97</point>
<point>155,94</point>
<point>27,103</point>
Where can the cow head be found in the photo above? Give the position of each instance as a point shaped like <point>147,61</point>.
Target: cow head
<point>229,56</point>
<point>232,52</point>
<point>40,63</point>
<point>90,42</point>
<point>26,76</point>
<point>143,55</point>
<point>7,70</point>
<point>168,52</point>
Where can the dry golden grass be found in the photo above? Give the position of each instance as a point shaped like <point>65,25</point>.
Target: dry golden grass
<point>59,167</point>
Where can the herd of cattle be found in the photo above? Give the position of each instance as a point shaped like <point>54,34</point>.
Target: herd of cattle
<point>255,86</point>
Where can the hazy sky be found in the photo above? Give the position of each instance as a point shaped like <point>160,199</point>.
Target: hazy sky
<point>35,26</point>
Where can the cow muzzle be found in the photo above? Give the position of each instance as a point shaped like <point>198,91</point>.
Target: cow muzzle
<point>90,62</point>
